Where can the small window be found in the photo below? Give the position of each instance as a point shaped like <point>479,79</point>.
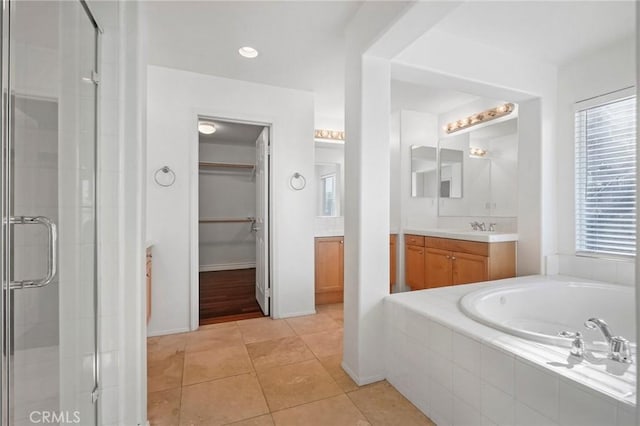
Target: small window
<point>606,178</point>
<point>328,195</point>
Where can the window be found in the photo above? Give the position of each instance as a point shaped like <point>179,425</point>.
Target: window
<point>328,195</point>
<point>606,178</point>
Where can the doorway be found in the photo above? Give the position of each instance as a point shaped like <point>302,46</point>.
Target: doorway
<point>233,207</point>
<point>48,197</point>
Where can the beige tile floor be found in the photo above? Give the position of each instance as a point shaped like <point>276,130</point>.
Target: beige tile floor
<point>266,372</point>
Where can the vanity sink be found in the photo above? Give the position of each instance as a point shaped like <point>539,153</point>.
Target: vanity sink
<point>465,234</point>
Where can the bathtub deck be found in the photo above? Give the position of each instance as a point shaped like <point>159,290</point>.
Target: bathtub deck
<point>457,370</point>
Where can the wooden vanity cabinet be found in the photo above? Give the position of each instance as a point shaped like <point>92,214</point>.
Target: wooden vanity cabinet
<point>414,261</point>
<point>393,238</point>
<point>329,260</point>
<point>329,268</point>
<point>452,262</point>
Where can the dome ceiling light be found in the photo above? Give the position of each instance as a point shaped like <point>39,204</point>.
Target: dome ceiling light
<point>248,52</point>
<point>206,127</point>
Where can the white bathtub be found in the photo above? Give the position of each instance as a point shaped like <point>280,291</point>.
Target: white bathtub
<point>502,369</point>
<point>538,311</point>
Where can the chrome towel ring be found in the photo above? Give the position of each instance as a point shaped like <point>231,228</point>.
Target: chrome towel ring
<point>164,176</point>
<point>297,182</point>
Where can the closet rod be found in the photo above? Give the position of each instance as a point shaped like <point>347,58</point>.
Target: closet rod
<point>206,164</point>
<point>227,220</point>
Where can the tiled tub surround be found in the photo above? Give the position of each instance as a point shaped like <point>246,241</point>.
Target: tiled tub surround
<point>460,372</point>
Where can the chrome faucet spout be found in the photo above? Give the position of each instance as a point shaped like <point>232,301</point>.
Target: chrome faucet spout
<point>594,323</point>
<point>619,347</point>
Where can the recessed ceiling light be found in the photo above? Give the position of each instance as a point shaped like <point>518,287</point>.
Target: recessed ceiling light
<point>248,52</point>
<point>206,127</point>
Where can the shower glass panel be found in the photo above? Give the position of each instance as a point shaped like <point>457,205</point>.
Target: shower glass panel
<point>49,213</point>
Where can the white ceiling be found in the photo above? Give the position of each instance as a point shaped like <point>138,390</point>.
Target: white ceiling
<point>301,43</point>
<point>553,32</point>
<point>232,133</point>
<point>420,98</point>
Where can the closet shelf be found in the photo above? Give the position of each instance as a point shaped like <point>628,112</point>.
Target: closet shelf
<point>227,219</point>
<point>210,165</point>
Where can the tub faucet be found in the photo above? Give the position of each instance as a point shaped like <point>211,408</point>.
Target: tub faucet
<point>618,346</point>
<point>577,345</point>
<point>477,226</point>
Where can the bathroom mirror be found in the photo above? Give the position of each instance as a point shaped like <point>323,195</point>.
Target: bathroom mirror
<point>488,163</point>
<point>424,171</point>
<point>451,165</point>
<point>329,180</point>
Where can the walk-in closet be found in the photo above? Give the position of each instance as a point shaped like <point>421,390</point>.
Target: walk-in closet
<point>233,205</point>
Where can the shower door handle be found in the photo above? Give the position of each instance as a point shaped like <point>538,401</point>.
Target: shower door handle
<point>52,255</point>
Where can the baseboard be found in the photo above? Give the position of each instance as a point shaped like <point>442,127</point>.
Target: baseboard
<point>296,314</point>
<point>361,381</point>
<point>165,332</point>
<point>227,266</point>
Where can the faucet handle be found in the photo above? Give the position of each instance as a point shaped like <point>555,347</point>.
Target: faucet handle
<point>577,345</point>
<point>492,227</point>
<point>620,350</point>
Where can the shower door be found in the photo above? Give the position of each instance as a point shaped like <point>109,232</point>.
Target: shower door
<point>49,88</point>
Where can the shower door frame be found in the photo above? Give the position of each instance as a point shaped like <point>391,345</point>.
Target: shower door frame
<point>5,208</point>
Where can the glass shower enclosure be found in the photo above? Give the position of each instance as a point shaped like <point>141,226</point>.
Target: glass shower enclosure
<point>48,249</point>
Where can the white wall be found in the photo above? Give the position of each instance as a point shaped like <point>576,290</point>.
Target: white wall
<point>605,71</point>
<point>174,100</point>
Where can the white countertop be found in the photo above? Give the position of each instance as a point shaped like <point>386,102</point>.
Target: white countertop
<point>340,232</point>
<point>467,235</point>
<point>329,233</point>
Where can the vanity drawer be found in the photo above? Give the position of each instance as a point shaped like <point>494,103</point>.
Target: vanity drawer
<point>414,240</point>
<point>460,246</point>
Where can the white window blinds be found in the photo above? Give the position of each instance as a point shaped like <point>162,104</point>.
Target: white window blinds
<point>606,178</point>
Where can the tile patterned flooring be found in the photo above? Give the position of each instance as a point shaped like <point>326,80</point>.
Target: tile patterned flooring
<point>266,372</point>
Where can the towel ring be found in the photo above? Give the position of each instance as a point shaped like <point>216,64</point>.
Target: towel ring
<point>297,182</point>
<point>167,178</point>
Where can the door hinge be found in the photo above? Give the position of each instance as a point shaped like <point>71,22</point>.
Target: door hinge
<point>268,149</point>
<point>95,77</point>
<point>95,395</point>
<point>267,292</point>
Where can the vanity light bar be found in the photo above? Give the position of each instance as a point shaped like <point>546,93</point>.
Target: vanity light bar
<point>329,134</point>
<point>477,152</point>
<point>480,117</point>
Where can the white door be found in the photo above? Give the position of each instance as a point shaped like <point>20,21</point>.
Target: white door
<point>262,220</point>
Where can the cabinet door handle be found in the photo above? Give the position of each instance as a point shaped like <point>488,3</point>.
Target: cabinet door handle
<point>453,258</point>
<point>341,242</point>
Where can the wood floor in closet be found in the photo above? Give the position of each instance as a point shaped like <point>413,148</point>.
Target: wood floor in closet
<point>228,296</point>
